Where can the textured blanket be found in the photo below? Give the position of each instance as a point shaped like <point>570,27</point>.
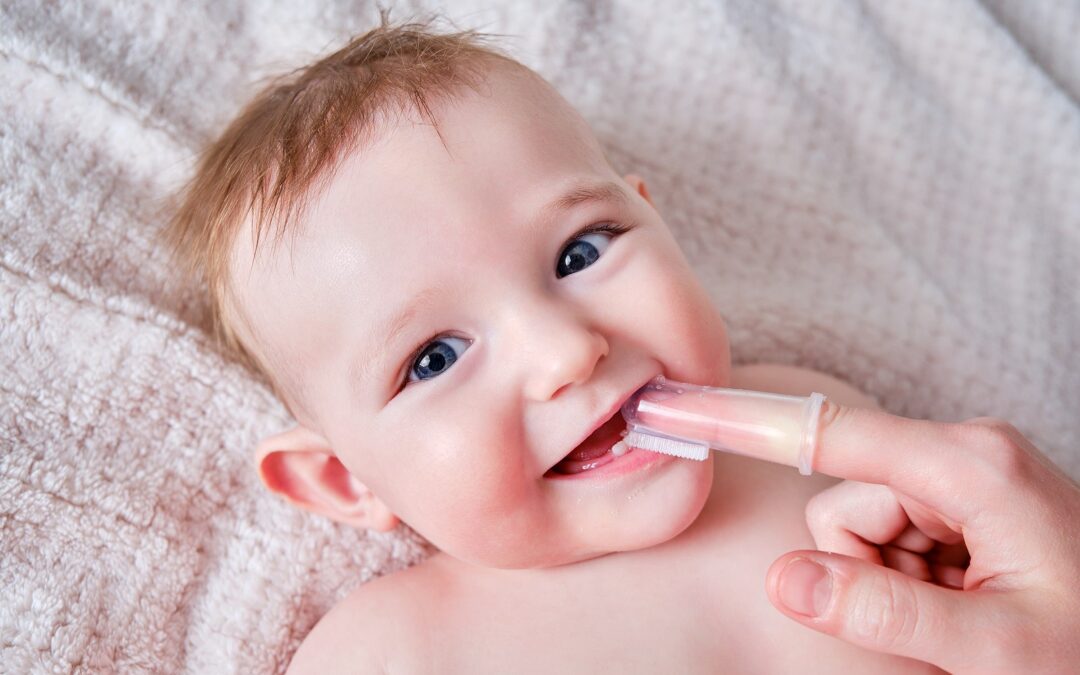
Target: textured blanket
<point>885,191</point>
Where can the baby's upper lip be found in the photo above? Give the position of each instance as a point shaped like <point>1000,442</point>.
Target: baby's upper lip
<point>608,412</point>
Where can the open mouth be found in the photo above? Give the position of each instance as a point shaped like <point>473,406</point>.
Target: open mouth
<point>596,450</point>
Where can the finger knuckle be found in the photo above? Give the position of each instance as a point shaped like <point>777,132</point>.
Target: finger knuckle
<point>994,442</point>
<point>886,613</point>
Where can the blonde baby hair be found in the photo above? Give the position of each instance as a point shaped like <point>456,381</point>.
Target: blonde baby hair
<point>285,143</point>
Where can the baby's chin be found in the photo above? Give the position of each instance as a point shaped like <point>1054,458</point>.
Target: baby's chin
<point>653,513</point>
<point>661,510</point>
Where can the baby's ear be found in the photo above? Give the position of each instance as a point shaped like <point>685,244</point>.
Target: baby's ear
<point>300,466</point>
<point>638,183</point>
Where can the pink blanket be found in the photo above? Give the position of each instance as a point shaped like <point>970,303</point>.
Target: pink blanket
<point>887,192</point>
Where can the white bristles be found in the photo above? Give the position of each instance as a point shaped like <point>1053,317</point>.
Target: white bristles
<point>668,446</point>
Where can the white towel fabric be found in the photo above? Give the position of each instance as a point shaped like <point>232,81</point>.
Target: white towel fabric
<point>884,191</point>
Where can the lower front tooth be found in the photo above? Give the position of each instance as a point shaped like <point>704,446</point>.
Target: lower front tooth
<point>619,448</point>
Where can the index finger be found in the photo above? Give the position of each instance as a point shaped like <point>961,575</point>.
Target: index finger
<point>936,463</point>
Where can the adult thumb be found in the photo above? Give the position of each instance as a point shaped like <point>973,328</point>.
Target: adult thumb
<point>878,608</point>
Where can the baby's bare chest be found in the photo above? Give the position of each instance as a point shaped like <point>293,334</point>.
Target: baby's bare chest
<point>616,622</point>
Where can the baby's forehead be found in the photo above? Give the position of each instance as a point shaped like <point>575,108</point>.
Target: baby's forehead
<point>413,200</point>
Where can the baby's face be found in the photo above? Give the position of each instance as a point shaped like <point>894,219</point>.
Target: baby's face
<point>455,340</point>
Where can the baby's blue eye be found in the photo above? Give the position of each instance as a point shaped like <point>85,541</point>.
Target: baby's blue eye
<point>581,253</point>
<point>437,355</point>
<point>436,358</point>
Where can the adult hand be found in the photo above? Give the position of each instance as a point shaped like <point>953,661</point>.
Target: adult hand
<point>929,495</point>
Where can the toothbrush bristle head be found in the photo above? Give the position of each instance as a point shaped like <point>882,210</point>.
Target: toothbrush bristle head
<point>668,446</point>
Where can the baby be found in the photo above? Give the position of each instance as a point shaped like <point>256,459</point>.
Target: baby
<point>468,293</point>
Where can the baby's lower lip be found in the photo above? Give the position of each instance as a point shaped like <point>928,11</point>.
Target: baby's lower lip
<point>595,451</point>
<point>572,468</point>
<point>608,465</point>
<point>632,460</point>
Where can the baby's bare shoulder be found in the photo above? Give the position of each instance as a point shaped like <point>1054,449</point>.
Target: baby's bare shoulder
<point>369,631</point>
<point>798,381</point>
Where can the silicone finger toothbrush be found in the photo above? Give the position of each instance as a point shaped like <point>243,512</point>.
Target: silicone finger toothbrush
<point>687,420</point>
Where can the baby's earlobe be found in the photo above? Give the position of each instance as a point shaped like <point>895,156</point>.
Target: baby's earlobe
<point>380,517</point>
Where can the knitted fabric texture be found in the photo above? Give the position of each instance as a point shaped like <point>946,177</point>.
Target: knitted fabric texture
<point>886,192</point>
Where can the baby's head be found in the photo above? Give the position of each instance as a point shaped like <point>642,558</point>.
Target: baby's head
<point>436,321</point>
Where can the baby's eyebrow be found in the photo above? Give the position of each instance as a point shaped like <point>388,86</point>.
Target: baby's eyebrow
<point>360,368</point>
<point>582,192</point>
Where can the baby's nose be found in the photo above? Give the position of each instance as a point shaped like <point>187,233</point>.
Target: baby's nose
<point>562,349</point>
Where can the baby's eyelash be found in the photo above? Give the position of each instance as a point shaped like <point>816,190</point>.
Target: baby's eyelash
<point>600,226</point>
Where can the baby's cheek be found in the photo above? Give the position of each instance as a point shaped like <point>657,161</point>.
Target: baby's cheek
<point>686,329</point>
<point>474,506</point>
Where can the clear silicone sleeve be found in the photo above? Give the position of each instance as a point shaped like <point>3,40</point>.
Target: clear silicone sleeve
<point>774,427</point>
